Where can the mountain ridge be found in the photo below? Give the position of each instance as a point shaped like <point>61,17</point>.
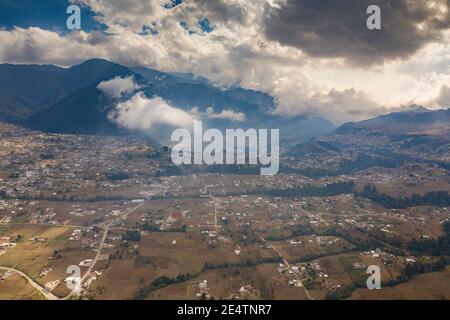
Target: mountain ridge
<point>417,121</point>
<point>58,93</point>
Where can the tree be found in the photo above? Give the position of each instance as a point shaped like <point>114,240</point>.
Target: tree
<point>132,235</point>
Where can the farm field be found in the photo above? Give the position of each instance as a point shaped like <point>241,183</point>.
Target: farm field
<point>432,286</point>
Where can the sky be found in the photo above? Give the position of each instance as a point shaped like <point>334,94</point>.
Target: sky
<point>316,57</point>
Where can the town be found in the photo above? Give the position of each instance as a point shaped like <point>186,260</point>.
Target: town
<point>115,208</point>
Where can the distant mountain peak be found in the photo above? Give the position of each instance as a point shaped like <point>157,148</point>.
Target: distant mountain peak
<point>415,120</point>
<point>95,61</point>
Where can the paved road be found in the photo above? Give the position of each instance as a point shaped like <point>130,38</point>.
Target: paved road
<point>47,294</point>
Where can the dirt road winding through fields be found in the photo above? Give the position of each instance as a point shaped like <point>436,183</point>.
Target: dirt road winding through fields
<point>47,294</point>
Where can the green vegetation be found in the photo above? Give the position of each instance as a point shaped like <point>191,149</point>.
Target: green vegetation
<point>222,169</point>
<point>341,293</point>
<point>149,227</point>
<point>361,243</point>
<point>410,271</point>
<point>246,263</point>
<point>295,231</point>
<point>419,267</point>
<point>437,199</point>
<point>434,247</point>
<point>161,282</point>
<point>164,281</point>
<point>117,176</point>
<point>362,162</point>
<point>329,190</point>
<point>132,235</point>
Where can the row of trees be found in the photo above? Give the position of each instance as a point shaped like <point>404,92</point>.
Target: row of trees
<point>243,264</point>
<point>329,190</point>
<point>161,282</point>
<point>237,169</point>
<point>164,281</point>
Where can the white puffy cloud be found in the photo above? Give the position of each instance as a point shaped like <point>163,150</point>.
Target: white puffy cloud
<point>118,86</point>
<point>130,13</point>
<point>35,45</point>
<point>140,112</point>
<point>442,100</point>
<point>144,114</point>
<point>226,115</point>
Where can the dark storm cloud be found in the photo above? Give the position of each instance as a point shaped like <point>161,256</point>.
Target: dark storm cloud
<point>337,28</point>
